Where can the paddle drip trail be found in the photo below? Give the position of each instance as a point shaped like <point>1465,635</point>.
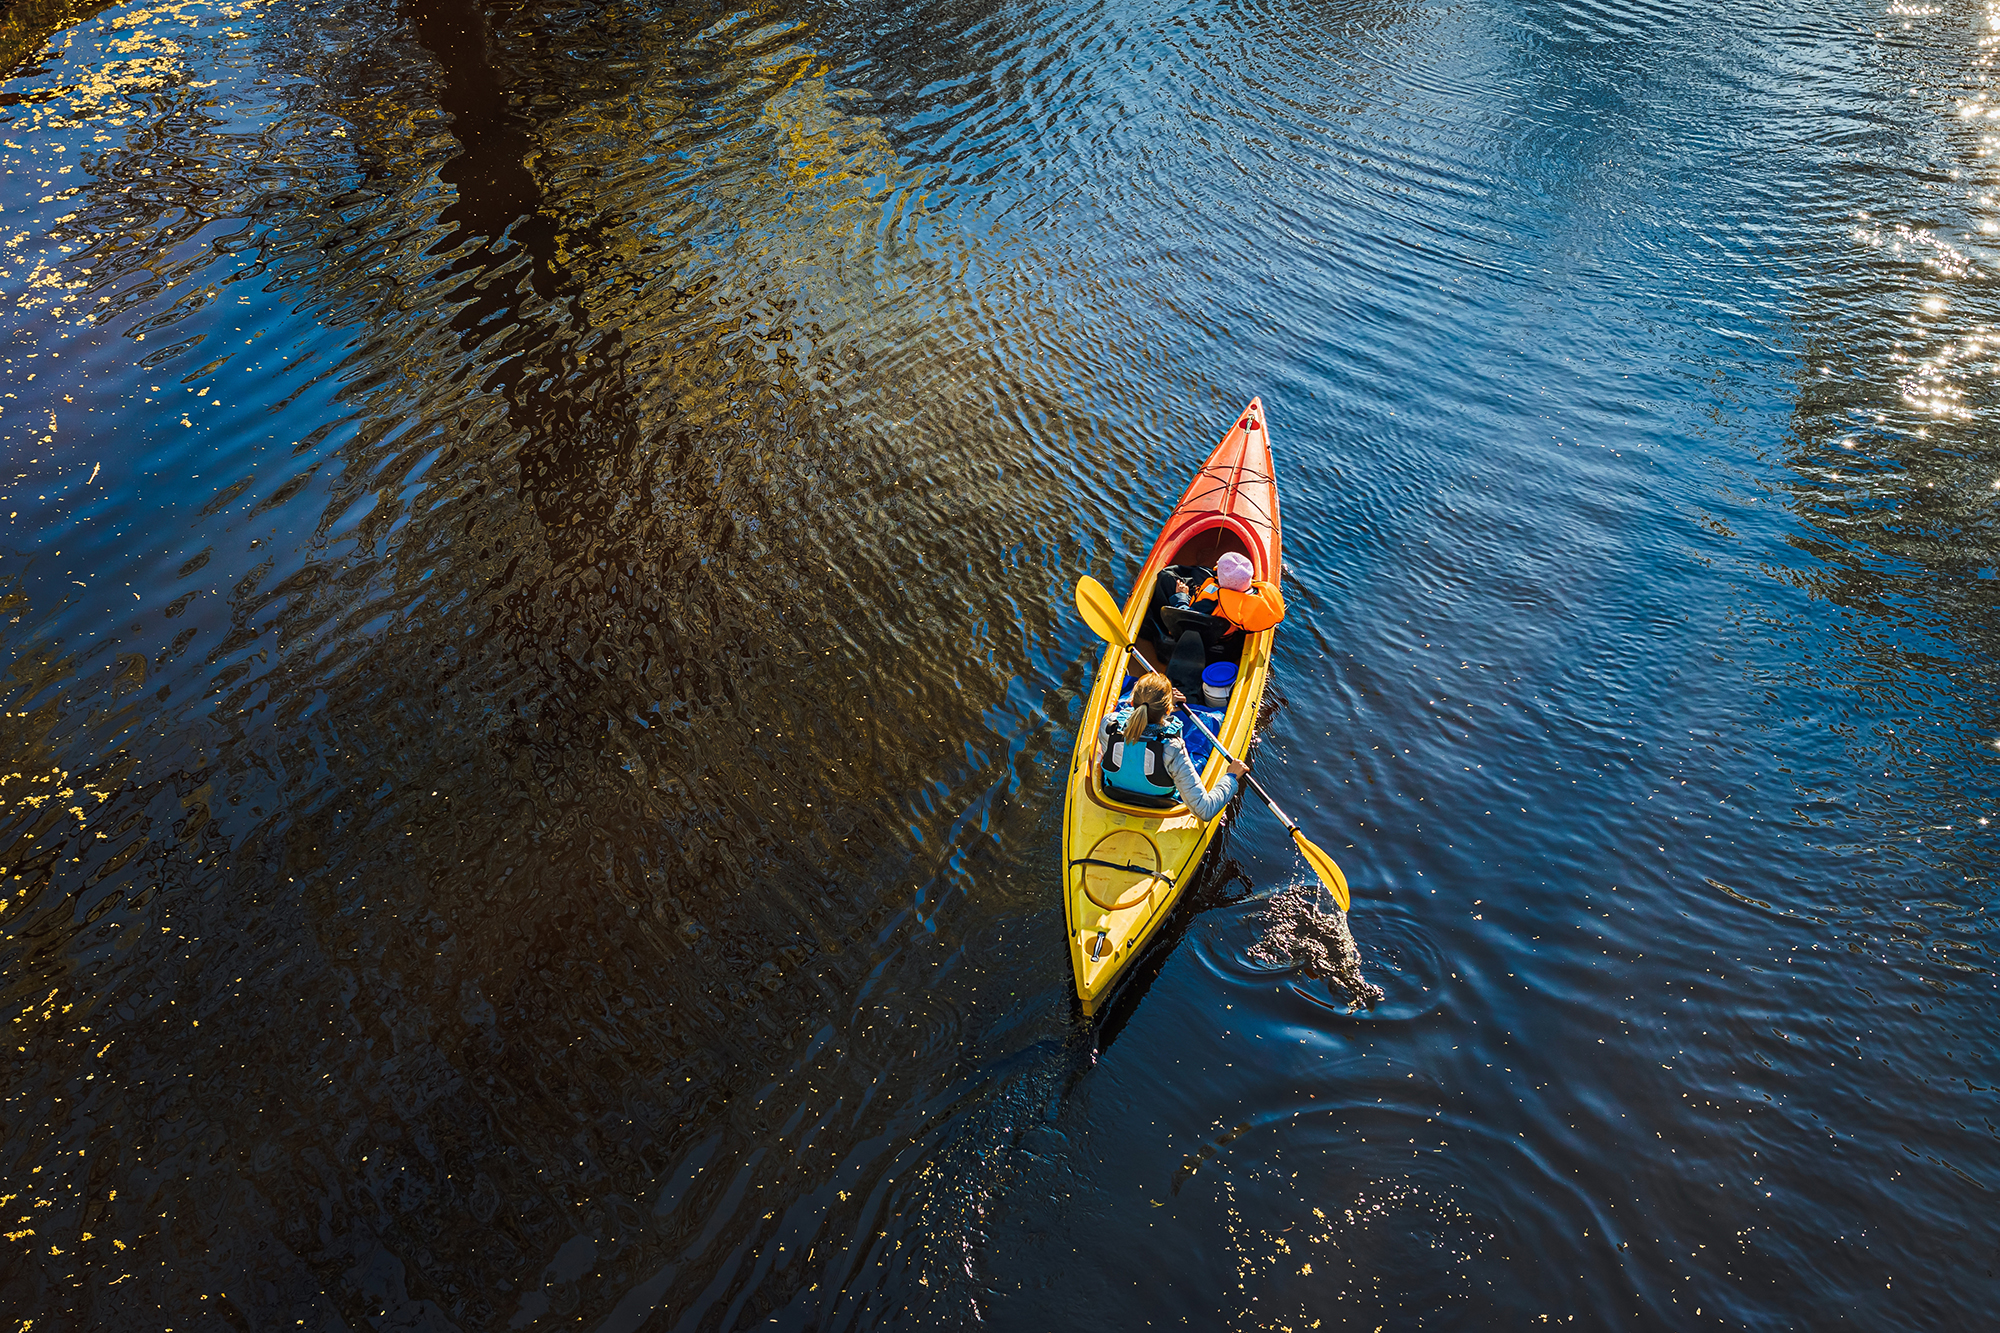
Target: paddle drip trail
<point>1299,933</point>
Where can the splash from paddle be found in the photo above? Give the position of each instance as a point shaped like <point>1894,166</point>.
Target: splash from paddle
<point>1103,616</point>
<point>1298,933</point>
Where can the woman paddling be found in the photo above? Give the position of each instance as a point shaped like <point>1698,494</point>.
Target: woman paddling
<point>1145,756</point>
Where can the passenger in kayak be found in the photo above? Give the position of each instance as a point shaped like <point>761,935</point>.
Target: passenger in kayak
<point>1249,604</point>
<point>1145,756</point>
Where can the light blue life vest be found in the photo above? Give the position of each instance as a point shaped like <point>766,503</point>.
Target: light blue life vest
<point>1139,767</point>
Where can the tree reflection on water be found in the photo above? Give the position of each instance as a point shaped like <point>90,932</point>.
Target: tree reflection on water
<point>530,773</point>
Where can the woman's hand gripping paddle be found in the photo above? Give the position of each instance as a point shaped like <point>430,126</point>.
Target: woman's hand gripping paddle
<point>1103,616</point>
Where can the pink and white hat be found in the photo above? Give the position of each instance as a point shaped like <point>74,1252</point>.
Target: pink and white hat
<point>1232,571</point>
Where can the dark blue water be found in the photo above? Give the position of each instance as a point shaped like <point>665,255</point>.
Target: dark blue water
<point>536,566</point>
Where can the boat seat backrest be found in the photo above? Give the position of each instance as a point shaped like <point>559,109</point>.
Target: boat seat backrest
<point>1185,666</point>
<point>1135,799</point>
<point>1177,621</point>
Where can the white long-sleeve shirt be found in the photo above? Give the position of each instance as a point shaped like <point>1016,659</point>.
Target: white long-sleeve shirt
<point>1205,804</point>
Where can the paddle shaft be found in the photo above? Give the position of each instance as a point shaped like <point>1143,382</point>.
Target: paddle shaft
<point>1216,741</point>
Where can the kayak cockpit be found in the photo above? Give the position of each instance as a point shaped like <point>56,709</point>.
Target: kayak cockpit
<point>1183,642</point>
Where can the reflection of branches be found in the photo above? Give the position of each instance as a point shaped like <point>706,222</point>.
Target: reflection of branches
<point>587,705</point>
<point>1891,456</point>
<point>27,25</point>
<point>602,691</point>
<point>1894,481</point>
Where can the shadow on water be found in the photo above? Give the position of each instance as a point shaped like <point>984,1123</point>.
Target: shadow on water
<point>552,833</point>
<point>1220,882</point>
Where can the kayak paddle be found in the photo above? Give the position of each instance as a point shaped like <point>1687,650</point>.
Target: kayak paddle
<point>1102,615</point>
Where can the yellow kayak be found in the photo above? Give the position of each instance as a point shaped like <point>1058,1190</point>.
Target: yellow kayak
<point>1126,865</point>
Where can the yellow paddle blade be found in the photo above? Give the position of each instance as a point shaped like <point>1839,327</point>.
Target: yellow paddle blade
<point>1093,599</point>
<point>1323,866</point>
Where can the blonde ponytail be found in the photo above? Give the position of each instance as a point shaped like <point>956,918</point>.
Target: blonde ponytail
<point>1152,698</point>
